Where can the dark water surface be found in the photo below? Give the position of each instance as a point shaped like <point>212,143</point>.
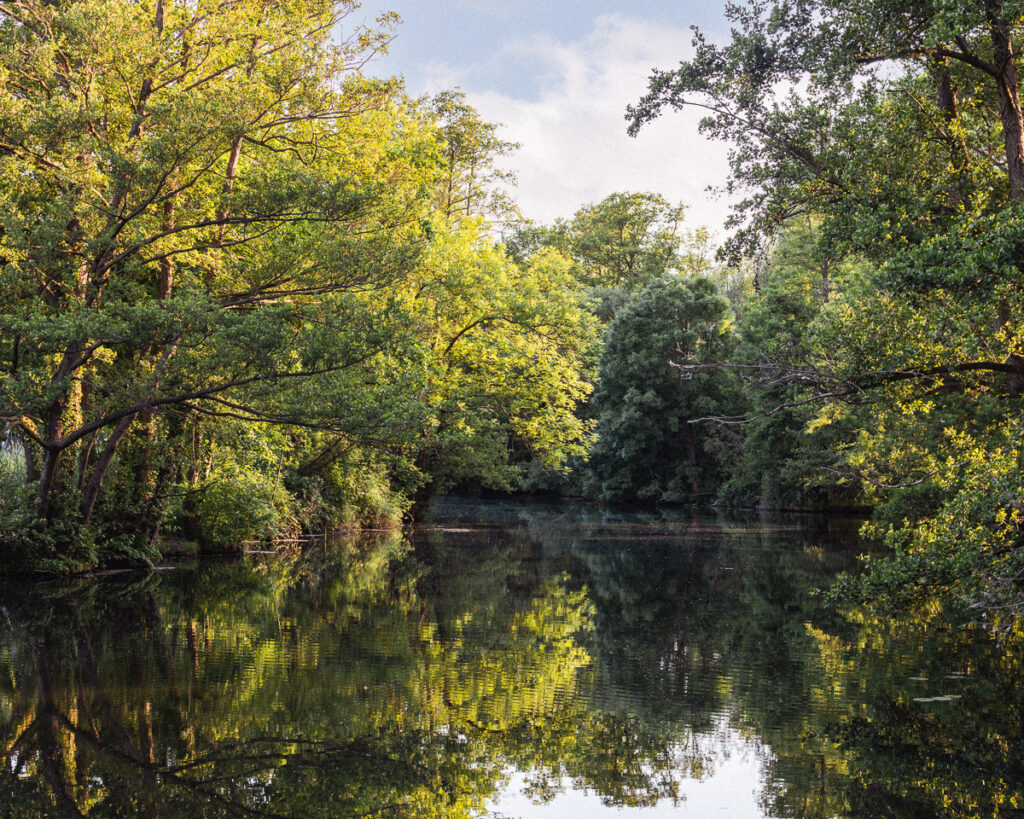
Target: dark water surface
<point>509,661</point>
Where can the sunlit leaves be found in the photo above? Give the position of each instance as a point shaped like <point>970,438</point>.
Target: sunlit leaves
<point>502,349</point>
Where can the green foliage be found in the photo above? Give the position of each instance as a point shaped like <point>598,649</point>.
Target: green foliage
<point>472,184</point>
<point>963,547</point>
<point>885,161</point>
<point>647,448</point>
<point>344,491</point>
<point>786,459</point>
<point>616,247</point>
<point>626,240</point>
<point>194,219</point>
<point>238,505</point>
<point>213,225</point>
<point>912,177</point>
<point>501,348</point>
<point>15,511</point>
<point>619,245</point>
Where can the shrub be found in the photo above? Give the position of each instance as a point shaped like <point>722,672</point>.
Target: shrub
<point>242,505</point>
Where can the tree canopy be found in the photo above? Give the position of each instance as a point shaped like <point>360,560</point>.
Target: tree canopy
<point>213,221</point>
<point>646,449</point>
<point>895,132</point>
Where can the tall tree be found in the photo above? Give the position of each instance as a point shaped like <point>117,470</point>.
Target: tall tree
<point>194,195</point>
<point>646,448</point>
<point>812,149</point>
<point>474,183</point>
<point>502,350</point>
<point>626,240</point>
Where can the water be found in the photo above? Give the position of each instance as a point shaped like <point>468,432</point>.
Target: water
<point>507,661</point>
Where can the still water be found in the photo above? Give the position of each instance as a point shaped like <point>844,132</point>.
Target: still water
<point>505,661</point>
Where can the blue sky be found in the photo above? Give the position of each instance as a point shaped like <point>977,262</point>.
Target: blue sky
<point>481,35</point>
<point>558,76</point>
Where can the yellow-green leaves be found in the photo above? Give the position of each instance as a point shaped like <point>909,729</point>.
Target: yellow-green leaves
<point>501,347</point>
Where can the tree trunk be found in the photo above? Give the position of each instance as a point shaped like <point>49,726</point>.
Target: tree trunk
<point>99,471</point>
<point>229,184</point>
<point>950,107</point>
<point>166,281</point>
<point>47,482</point>
<point>32,473</point>
<point>1009,96</point>
<point>141,492</point>
<point>55,415</point>
<point>85,448</point>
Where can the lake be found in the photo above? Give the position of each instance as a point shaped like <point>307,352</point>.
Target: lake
<point>506,660</point>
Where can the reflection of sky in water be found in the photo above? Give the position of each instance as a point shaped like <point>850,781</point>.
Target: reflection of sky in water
<point>730,789</point>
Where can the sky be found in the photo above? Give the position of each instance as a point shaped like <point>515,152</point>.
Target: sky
<point>558,76</point>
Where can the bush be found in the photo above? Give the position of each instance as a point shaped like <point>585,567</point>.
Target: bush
<point>242,505</point>
<point>351,492</point>
<point>15,513</point>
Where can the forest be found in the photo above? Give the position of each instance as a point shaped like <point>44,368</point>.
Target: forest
<point>250,293</point>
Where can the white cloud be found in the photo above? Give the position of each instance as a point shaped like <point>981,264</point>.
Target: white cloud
<point>574,144</point>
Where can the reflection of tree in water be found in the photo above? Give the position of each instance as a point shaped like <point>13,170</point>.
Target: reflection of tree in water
<point>210,700</point>
<point>318,686</point>
<point>705,637</point>
<point>616,655</point>
<point>535,695</point>
<point>942,730</point>
<point>721,630</point>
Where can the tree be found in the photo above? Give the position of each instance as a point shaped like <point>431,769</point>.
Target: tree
<point>782,463</point>
<point>619,245</point>
<point>626,240</point>
<point>501,351</point>
<point>470,148</point>
<point>816,150</point>
<point>613,249</point>
<point>194,203</point>
<point>646,449</point>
